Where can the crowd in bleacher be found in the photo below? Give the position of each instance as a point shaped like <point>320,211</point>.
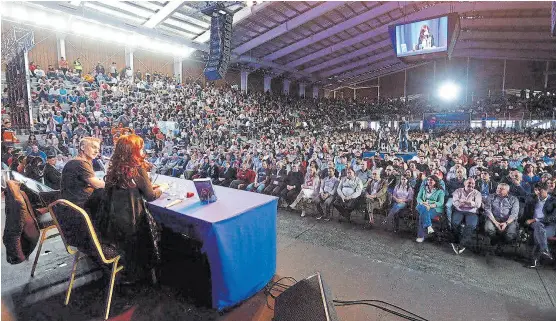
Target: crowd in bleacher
<point>299,150</point>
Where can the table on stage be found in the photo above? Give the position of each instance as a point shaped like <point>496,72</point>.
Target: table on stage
<point>238,233</point>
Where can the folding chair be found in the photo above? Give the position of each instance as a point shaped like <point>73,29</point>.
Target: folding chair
<point>81,240</point>
<point>45,224</point>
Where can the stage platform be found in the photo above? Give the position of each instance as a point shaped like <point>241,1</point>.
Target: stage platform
<point>427,279</point>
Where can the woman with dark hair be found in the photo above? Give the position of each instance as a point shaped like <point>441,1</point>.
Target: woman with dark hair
<point>430,203</point>
<point>529,175</point>
<point>124,220</point>
<point>401,197</point>
<point>31,141</point>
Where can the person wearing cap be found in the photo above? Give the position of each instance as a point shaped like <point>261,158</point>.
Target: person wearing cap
<point>52,176</point>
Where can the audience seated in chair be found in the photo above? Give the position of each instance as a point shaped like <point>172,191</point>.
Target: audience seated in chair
<point>501,210</point>
<point>277,178</point>
<point>466,202</point>
<point>348,192</point>
<point>245,176</point>
<point>453,184</point>
<point>309,192</point>
<point>430,204</point>
<point>262,179</point>
<point>375,194</point>
<point>327,194</point>
<point>402,196</point>
<point>293,182</point>
<point>541,217</point>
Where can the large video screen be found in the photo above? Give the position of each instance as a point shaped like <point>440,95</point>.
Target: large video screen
<point>422,37</point>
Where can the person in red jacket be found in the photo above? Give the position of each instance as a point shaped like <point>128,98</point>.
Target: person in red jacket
<point>245,176</point>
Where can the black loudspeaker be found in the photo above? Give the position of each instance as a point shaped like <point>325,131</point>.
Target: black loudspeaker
<point>220,46</point>
<point>307,300</point>
<point>553,23</point>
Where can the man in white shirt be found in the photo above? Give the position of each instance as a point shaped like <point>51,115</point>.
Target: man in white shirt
<point>39,72</point>
<point>53,93</point>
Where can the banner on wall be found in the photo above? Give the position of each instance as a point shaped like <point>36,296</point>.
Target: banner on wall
<point>446,120</point>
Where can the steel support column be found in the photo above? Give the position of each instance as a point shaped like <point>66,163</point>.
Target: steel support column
<point>178,69</point>
<point>267,83</point>
<point>504,79</point>
<point>467,81</point>
<point>302,89</point>
<point>244,77</point>
<point>286,86</point>
<point>129,61</point>
<point>61,45</point>
<point>405,85</point>
<point>546,75</point>
<point>315,92</point>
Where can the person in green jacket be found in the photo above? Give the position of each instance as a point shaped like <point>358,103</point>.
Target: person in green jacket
<point>430,203</point>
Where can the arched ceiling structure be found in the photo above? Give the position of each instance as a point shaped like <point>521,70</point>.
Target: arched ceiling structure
<point>332,41</point>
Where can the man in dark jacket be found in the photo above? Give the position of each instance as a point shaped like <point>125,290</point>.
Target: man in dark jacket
<point>213,171</point>
<point>227,175</point>
<point>501,172</point>
<point>485,185</point>
<point>293,181</point>
<point>542,218</point>
<point>52,176</point>
<point>276,183</point>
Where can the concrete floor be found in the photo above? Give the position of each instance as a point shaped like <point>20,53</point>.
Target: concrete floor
<point>426,279</point>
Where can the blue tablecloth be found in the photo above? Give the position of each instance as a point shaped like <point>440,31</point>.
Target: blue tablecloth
<point>238,233</point>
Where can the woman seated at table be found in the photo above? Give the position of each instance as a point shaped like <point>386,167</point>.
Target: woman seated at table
<point>430,204</point>
<point>124,220</point>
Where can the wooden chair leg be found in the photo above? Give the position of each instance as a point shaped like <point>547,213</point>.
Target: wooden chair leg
<point>72,277</point>
<point>111,288</point>
<point>43,237</point>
